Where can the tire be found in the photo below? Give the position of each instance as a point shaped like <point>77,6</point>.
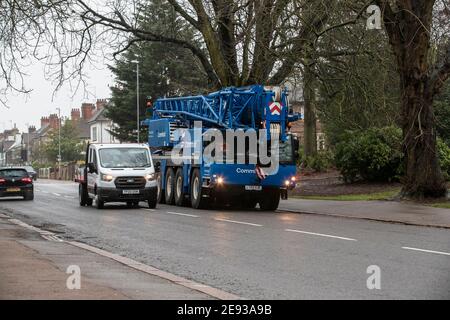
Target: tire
<point>99,204</point>
<point>179,190</point>
<point>83,195</point>
<point>159,192</point>
<point>197,200</point>
<point>153,200</point>
<point>270,201</point>
<point>169,191</point>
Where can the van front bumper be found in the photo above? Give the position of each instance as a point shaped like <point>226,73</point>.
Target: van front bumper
<point>119,195</point>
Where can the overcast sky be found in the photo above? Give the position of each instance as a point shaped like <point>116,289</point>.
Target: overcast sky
<point>41,102</point>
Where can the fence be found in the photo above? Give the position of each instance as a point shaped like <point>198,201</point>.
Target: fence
<point>67,172</point>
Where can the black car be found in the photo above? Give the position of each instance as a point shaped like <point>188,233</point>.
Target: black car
<point>16,182</point>
<point>31,172</point>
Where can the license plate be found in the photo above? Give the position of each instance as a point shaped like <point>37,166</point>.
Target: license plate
<point>12,189</point>
<point>130,192</point>
<point>253,188</point>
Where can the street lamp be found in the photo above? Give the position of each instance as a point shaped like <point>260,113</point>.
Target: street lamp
<point>59,143</point>
<point>137,96</point>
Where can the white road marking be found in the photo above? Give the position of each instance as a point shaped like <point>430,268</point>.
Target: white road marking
<point>320,234</point>
<point>69,197</point>
<point>239,222</point>
<point>183,214</point>
<point>150,210</point>
<point>45,192</point>
<point>428,251</point>
<point>56,194</point>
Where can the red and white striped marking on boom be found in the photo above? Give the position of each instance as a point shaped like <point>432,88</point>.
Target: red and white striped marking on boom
<point>275,108</point>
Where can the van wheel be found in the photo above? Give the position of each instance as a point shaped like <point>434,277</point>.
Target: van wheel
<point>99,204</point>
<point>153,200</point>
<point>270,201</point>
<point>170,182</point>
<point>160,192</point>
<point>179,190</point>
<point>83,195</point>
<point>197,200</point>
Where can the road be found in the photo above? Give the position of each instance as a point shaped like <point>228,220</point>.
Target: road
<point>253,254</point>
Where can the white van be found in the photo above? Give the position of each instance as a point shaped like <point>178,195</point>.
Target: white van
<point>118,173</point>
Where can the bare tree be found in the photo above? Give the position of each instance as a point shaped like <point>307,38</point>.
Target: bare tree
<point>50,31</point>
<point>243,42</point>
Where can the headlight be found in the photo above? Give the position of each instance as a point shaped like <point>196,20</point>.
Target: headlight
<point>150,177</point>
<point>293,179</point>
<point>219,180</point>
<point>287,182</point>
<point>106,177</point>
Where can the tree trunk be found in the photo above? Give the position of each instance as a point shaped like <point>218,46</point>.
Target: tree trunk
<point>309,93</point>
<point>423,177</point>
<point>408,26</point>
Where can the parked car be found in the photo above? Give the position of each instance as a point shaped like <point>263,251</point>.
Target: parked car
<point>31,172</point>
<point>16,182</point>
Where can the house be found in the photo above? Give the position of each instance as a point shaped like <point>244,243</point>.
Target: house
<point>27,144</point>
<point>100,125</point>
<point>41,136</point>
<point>10,146</point>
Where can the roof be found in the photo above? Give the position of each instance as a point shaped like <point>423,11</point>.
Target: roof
<point>42,130</point>
<point>119,145</point>
<point>98,116</point>
<point>7,144</point>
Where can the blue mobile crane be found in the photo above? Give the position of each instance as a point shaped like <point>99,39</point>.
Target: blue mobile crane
<point>187,174</point>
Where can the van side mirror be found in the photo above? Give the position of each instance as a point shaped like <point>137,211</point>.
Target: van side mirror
<point>91,167</point>
<point>157,167</point>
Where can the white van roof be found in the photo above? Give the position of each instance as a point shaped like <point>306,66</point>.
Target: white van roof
<point>118,145</point>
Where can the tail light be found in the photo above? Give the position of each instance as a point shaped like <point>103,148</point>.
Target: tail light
<point>27,180</point>
<point>2,181</point>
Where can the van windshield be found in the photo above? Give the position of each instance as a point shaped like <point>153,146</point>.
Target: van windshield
<point>124,158</point>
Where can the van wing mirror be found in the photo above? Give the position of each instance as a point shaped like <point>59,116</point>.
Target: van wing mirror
<point>91,167</point>
<point>157,167</point>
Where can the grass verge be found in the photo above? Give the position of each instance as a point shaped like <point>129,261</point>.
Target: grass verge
<point>444,205</point>
<point>385,195</point>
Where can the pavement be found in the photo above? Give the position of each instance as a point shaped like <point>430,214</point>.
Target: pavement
<point>386,211</point>
<point>250,254</point>
<point>33,267</point>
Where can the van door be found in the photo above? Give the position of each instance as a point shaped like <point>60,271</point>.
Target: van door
<point>92,175</point>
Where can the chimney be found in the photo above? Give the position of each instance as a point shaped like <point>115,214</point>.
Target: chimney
<point>44,121</point>
<point>75,114</point>
<point>53,120</point>
<point>31,129</point>
<point>101,103</point>
<point>87,110</point>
